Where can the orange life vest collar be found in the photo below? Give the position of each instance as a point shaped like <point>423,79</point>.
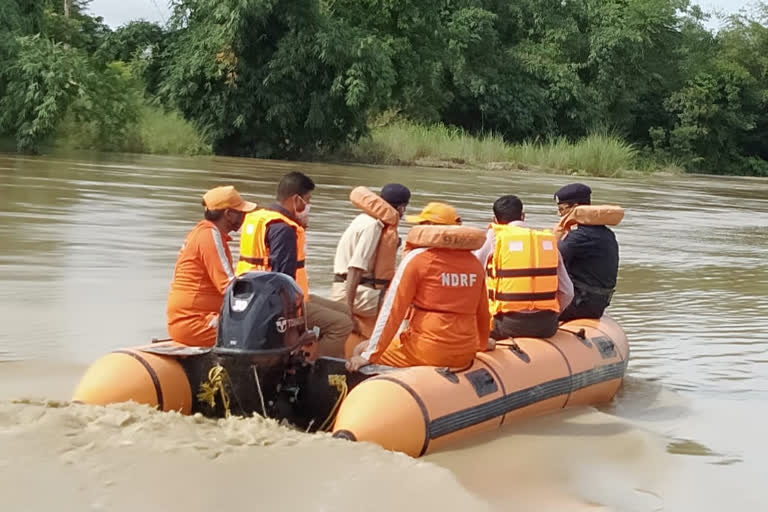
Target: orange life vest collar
<point>590,215</point>
<point>445,237</point>
<point>386,251</point>
<point>374,206</point>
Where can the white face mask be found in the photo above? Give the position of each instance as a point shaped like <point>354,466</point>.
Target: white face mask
<point>303,216</point>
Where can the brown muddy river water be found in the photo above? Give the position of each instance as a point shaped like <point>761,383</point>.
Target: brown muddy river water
<point>88,246</point>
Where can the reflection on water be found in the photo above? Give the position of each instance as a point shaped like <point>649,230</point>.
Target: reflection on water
<point>88,245</point>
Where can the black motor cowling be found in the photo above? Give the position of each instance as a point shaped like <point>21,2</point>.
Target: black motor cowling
<point>262,315</point>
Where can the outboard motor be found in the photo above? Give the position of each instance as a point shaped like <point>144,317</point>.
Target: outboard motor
<point>262,317</point>
<point>262,328</point>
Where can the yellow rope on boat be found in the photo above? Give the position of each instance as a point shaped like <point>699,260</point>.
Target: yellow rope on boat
<point>217,383</point>
<point>340,383</point>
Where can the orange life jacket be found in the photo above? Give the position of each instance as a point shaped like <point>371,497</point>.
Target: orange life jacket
<point>589,215</point>
<point>254,253</point>
<point>445,237</point>
<point>386,251</point>
<point>522,273</point>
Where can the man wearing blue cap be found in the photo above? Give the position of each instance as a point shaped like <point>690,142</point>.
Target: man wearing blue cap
<point>366,252</point>
<point>590,253</point>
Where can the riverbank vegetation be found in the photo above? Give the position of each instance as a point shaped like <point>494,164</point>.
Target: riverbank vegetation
<point>589,86</point>
<point>409,143</point>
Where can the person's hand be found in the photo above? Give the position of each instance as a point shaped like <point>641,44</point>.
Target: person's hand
<point>356,362</point>
<point>491,345</point>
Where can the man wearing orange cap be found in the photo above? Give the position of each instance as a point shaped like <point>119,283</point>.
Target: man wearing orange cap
<point>439,290</point>
<point>436,214</point>
<point>436,311</point>
<point>204,269</point>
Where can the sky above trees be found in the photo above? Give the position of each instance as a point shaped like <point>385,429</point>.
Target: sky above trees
<point>118,12</point>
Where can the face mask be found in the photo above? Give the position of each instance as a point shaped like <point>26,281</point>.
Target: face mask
<point>303,216</point>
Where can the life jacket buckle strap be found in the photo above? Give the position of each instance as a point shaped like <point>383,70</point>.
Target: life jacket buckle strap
<point>594,290</point>
<point>524,272</point>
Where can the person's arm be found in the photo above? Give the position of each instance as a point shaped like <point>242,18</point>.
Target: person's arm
<point>569,247</point>
<point>282,240</point>
<point>354,275</point>
<point>396,304</point>
<point>564,286</point>
<point>216,259</point>
<point>483,321</point>
<point>362,259</point>
<point>482,254</point>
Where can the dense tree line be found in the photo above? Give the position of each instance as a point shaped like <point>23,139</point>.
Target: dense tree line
<point>297,78</point>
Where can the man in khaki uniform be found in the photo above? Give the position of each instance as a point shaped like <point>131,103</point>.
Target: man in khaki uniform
<point>354,283</point>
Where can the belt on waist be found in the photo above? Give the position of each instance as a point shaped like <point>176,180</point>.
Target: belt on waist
<point>594,290</point>
<point>372,281</point>
<point>262,262</point>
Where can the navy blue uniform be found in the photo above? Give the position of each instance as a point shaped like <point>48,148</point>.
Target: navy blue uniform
<point>591,257</point>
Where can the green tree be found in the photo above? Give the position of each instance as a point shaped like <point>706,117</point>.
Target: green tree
<point>79,30</point>
<point>135,39</point>
<point>720,118</point>
<point>47,80</point>
<point>273,78</point>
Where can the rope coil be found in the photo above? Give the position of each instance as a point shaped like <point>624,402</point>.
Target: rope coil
<point>217,383</point>
<point>340,383</point>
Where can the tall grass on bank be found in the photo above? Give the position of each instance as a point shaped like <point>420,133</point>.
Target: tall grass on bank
<point>156,132</point>
<point>403,142</point>
<point>167,133</point>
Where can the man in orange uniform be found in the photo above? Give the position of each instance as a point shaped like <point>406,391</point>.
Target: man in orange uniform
<point>204,269</point>
<point>449,320</point>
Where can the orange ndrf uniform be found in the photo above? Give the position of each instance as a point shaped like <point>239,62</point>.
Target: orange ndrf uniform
<point>444,290</point>
<point>202,273</point>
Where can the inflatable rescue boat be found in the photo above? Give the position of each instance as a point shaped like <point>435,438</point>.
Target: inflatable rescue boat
<point>263,364</point>
<point>412,410</point>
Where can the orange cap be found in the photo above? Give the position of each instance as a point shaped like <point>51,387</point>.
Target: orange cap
<point>437,213</point>
<point>221,198</point>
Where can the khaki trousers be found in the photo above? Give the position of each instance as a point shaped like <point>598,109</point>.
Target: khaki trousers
<point>366,299</point>
<point>335,324</point>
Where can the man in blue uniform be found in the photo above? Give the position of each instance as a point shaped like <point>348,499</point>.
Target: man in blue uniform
<point>591,257</point>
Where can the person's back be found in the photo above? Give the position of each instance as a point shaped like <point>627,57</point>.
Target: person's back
<point>444,290</point>
<point>589,249</point>
<point>528,285</point>
<point>591,257</point>
<point>448,294</point>
<point>197,281</point>
<point>203,269</point>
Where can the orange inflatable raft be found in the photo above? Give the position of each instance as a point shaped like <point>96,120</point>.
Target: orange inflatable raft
<point>412,410</point>
<point>423,409</point>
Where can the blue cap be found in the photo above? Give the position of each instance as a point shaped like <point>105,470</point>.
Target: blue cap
<point>395,194</point>
<point>574,193</point>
